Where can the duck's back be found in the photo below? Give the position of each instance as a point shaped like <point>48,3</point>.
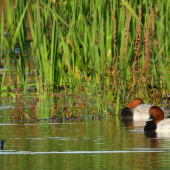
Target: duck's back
<point>163,125</point>
<point>166,112</point>
<point>141,112</point>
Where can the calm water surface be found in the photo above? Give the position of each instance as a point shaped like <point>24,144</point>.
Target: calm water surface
<point>87,144</point>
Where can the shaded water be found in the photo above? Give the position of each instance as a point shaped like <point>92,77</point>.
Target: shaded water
<point>88,144</point>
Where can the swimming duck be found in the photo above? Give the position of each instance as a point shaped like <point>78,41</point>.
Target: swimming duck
<point>2,144</point>
<point>156,121</point>
<point>137,110</point>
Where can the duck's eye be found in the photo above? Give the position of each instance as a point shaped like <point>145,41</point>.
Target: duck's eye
<point>152,116</point>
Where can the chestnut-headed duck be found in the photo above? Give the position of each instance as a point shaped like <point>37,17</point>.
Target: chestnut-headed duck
<point>156,121</point>
<point>137,110</point>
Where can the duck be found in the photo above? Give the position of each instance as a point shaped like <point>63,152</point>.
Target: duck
<point>137,110</point>
<point>157,121</point>
<point>2,144</point>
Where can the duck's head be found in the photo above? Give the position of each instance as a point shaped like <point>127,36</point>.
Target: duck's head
<point>156,114</point>
<point>135,102</point>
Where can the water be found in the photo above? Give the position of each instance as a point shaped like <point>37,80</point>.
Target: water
<point>88,144</point>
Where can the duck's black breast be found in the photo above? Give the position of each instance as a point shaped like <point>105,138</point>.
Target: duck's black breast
<point>150,128</point>
<point>126,113</point>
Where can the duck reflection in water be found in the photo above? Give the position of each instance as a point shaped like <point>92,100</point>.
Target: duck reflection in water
<point>2,144</point>
<point>156,140</point>
<point>132,123</point>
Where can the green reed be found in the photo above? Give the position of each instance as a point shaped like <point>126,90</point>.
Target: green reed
<point>117,49</point>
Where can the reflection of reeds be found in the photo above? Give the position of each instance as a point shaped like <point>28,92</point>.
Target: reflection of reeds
<point>18,111</point>
<point>21,100</point>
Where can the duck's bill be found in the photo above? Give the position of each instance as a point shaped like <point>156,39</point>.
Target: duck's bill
<point>149,120</point>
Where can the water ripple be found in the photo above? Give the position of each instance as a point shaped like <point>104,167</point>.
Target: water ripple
<point>72,152</point>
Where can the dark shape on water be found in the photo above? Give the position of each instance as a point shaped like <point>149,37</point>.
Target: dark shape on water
<point>151,135</point>
<point>2,144</point>
<point>126,114</point>
<point>150,127</point>
<point>127,122</point>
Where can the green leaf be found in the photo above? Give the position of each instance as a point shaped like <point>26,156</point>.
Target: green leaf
<point>163,69</point>
<point>132,11</point>
<point>19,26</point>
<point>54,13</point>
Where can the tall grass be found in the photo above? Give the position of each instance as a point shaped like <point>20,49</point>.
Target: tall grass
<point>116,49</point>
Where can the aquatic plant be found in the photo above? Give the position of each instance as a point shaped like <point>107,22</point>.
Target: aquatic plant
<point>116,49</point>
<point>21,101</point>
